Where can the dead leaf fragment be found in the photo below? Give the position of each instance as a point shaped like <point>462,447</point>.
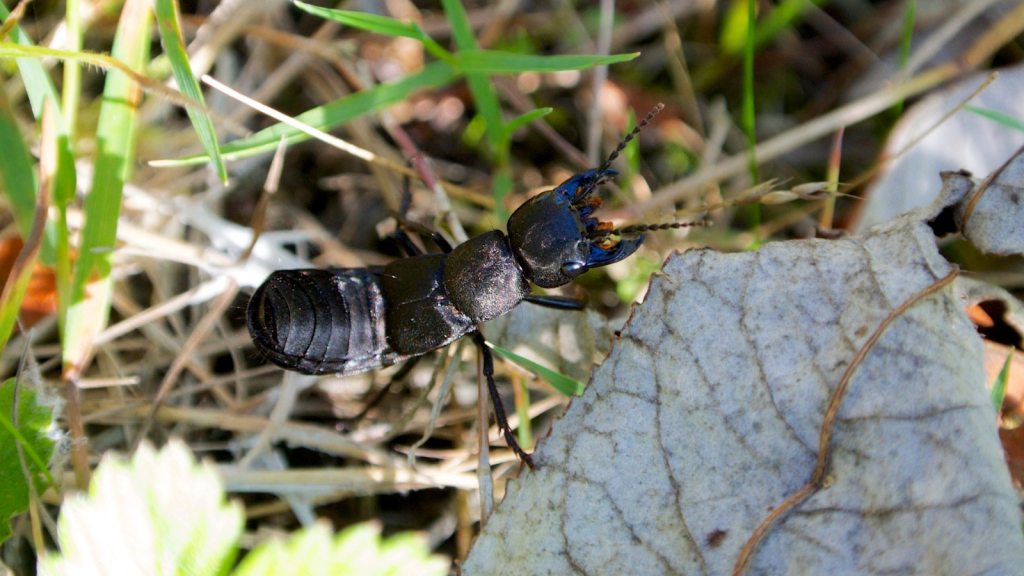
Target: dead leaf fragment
<point>1013,445</point>
<point>966,140</point>
<point>991,217</point>
<point>41,295</point>
<point>708,416</point>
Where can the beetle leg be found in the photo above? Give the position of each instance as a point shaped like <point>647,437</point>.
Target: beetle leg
<point>416,227</point>
<point>499,407</point>
<point>406,244</point>
<point>556,302</point>
<point>603,257</point>
<point>398,376</point>
<point>422,230</point>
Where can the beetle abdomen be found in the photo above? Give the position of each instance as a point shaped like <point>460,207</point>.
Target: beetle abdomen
<point>321,321</point>
<point>420,314</point>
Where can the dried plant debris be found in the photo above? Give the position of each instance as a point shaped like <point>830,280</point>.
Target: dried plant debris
<point>813,406</point>
<point>566,341</point>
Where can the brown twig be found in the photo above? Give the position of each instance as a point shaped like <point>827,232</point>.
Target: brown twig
<point>976,196</point>
<point>817,480</point>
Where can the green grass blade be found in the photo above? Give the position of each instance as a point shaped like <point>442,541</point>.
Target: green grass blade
<point>908,33</point>
<point>733,33</point>
<point>748,118</point>
<point>502,181</point>
<point>363,21</point>
<point>103,61</point>
<point>39,87</point>
<point>21,272</point>
<point>72,87</point>
<point>37,81</point>
<point>783,16</point>
<point>66,178</point>
<point>524,431</point>
<point>631,153</point>
<point>462,31</point>
<point>732,40</point>
<point>331,115</point>
<point>486,100</point>
<point>904,54</point>
<point>91,284</point>
<point>16,284</point>
<point>559,382</point>
<point>499,62</point>
<point>748,92</point>
<point>520,121</point>
<point>377,24</point>
<point>167,17</point>
<point>484,96</point>
<point>16,169</point>
<point>998,391</point>
<point>501,185</point>
<point>997,116</point>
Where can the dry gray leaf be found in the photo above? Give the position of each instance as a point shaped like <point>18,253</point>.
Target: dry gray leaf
<point>696,447</point>
<point>991,216</point>
<point>966,140</point>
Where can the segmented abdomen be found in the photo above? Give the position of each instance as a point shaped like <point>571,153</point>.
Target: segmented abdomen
<point>321,321</point>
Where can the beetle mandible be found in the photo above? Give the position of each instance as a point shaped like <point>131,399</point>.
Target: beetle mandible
<point>350,320</point>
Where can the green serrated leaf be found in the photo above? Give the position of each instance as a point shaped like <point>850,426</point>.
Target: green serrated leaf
<point>559,382</point>
<point>167,17</point>
<point>331,115</point>
<point>498,62</point>
<point>34,422</point>
<point>161,513</point>
<point>356,551</point>
<point>998,391</point>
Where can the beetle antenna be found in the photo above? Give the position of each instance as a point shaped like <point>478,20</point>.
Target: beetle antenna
<point>637,228</point>
<point>630,136</point>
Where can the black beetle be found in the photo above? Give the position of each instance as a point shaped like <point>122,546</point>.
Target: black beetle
<point>350,320</point>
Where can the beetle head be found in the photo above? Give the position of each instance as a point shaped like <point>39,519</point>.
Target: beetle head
<point>550,233</point>
<point>554,237</point>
